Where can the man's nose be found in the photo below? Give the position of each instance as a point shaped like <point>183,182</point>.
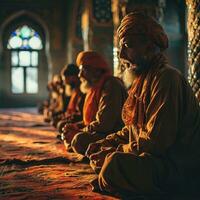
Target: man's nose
<point>122,53</point>
<point>80,73</point>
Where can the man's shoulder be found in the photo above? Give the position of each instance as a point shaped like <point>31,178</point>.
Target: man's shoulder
<point>168,69</point>
<point>168,77</point>
<point>113,81</point>
<point>169,73</point>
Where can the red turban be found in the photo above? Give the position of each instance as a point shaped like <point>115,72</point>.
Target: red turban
<point>139,23</point>
<point>93,59</point>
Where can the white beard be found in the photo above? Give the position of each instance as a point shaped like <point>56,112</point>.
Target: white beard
<point>85,86</point>
<point>128,77</point>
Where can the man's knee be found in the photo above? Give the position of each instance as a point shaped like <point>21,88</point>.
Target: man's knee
<point>107,173</point>
<point>109,163</point>
<point>60,125</point>
<point>79,143</point>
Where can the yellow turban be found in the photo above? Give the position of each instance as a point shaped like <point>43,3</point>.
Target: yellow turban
<point>139,23</point>
<point>93,59</point>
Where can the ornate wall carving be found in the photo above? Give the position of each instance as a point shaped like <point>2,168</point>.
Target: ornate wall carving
<point>75,42</point>
<point>194,45</point>
<point>102,11</point>
<point>97,28</point>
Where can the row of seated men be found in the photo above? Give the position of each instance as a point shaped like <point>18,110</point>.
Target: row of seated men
<point>146,143</point>
<point>65,98</point>
<point>95,105</point>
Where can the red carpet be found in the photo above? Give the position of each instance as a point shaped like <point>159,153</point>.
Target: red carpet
<point>33,165</point>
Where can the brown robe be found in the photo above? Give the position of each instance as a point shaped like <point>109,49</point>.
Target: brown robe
<point>108,116</point>
<point>161,149</point>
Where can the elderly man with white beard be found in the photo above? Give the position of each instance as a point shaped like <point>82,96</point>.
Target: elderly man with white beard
<point>158,149</point>
<point>105,96</point>
<point>128,77</point>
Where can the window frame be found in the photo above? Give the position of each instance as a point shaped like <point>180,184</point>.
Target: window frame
<point>24,71</point>
<point>25,67</point>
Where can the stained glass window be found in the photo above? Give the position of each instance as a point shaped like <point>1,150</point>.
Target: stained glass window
<point>14,58</point>
<point>24,44</point>
<point>17,78</point>
<point>34,58</point>
<point>32,80</point>
<point>24,37</point>
<point>24,58</point>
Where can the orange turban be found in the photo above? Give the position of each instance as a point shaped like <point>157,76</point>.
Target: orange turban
<point>93,59</point>
<point>139,23</point>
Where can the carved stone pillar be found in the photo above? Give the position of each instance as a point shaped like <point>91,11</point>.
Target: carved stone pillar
<point>194,45</point>
<point>120,8</point>
<point>97,27</point>
<point>75,44</point>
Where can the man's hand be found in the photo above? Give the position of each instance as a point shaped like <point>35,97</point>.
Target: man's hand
<point>97,159</point>
<point>69,127</point>
<point>68,136</point>
<point>93,148</point>
<point>68,132</point>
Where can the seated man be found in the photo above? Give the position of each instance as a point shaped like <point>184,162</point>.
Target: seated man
<point>105,96</point>
<point>158,150</point>
<point>56,98</point>
<point>46,103</point>
<point>74,109</point>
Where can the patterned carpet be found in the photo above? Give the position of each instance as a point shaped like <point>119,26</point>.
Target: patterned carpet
<point>34,165</point>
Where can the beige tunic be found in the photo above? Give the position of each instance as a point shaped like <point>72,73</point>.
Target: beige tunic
<point>108,117</point>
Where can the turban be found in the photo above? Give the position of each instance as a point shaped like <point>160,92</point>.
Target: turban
<point>93,59</point>
<point>139,23</point>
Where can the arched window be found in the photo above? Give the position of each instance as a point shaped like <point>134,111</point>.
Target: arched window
<point>24,44</point>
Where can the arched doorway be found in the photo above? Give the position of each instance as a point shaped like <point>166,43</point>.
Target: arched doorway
<point>25,64</point>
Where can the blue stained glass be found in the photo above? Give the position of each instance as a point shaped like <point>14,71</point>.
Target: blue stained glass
<point>25,44</point>
<point>13,34</point>
<point>18,32</point>
<point>30,39</point>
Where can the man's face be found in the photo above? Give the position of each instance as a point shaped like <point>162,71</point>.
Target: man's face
<point>68,87</point>
<point>85,75</point>
<point>128,77</point>
<point>68,90</point>
<point>133,53</point>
